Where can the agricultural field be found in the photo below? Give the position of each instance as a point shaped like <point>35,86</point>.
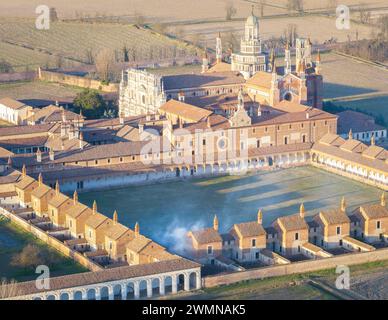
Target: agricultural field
<point>79,43</point>
<point>183,9</point>
<point>39,93</point>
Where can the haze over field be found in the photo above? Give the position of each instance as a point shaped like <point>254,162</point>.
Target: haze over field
<point>166,9</point>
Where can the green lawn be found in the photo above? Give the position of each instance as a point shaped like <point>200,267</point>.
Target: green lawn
<point>13,239</point>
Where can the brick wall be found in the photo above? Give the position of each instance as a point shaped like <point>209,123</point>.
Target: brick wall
<point>76,81</point>
<point>297,267</point>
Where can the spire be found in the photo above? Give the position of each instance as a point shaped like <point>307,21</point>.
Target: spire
<point>382,200</point>
<point>137,229</point>
<point>343,204</point>
<point>215,223</point>
<point>94,207</point>
<point>24,171</point>
<point>372,141</point>
<point>287,59</point>
<point>240,99</point>
<point>260,217</point>
<point>115,217</point>
<point>302,211</point>
<point>75,197</point>
<point>40,179</point>
<point>350,134</point>
<point>57,190</point>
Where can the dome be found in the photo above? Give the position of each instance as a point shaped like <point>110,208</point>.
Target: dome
<point>252,20</point>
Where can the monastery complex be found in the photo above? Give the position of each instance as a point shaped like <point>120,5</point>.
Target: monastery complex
<point>241,113</point>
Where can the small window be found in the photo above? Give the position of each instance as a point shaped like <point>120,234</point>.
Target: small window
<point>378,224</point>
<point>253,243</point>
<point>209,250</point>
<point>296,236</point>
<point>338,230</point>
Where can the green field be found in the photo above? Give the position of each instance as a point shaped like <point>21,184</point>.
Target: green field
<point>13,239</point>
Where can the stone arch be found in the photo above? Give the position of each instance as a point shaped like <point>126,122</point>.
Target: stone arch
<point>64,296</point>
<point>130,289</point>
<point>168,284</point>
<point>78,295</point>
<point>117,292</point>
<point>50,297</point>
<point>181,282</point>
<point>155,286</point>
<point>37,298</point>
<point>91,294</point>
<point>193,280</point>
<point>287,96</point>
<point>143,288</point>
<point>104,293</point>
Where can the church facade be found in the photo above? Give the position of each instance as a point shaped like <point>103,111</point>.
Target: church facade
<point>142,92</point>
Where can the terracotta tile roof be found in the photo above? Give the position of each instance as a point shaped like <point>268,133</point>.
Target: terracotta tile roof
<point>221,101</point>
<point>107,275</point>
<point>22,130</point>
<point>75,211</point>
<point>207,235</point>
<point>292,222</point>
<point>24,142</point>
<point>261,79</point>
<point>334,216</point>
<point>355,157</point>
<point>311,247</point>
<point>58,200</point>
<point>353,145</point>
<point>4,153</point>
<point>110,123</point>
<point>138,243</point>
<point>288,106</point>
<point>332,139</point>
<point>186,81</point>
<point>116,231</point>
<point>12,103</point>
<point>358,243</point>
<point>356,121</point>
<point>53,113</point>
<point>95,220</point>
<point>57,143</point>
<point>250,229</point>
<point>375,152</point>
<point>24,183</point>
<point>373,211</point>
<point>217,122</point>
<point>41,190</point>
<point>220,67</point>
<point>185,110</point>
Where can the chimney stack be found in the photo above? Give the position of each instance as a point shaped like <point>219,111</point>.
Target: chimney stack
<point>302,211</point>
<point>40,179</point>
<point>137,230</point>
<point>215,223</point>
<point>181,96</point>
<point>115,218</point>
<point>94,207</point>
<point>24,171</point>
<point>383,202</point>
<point>75,197</point>
<point>260,217</point>
<point>57,188</point>
<point>39,156</point>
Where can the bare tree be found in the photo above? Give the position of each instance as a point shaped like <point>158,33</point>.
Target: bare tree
<point>89,57</point>
<point>230,10</point>
<point>104,64</point>
<point>364,14</point>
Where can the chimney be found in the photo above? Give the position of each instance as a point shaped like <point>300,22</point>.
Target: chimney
<point>302,211</point>
<point>215,223</point>
<point>39,156</point>
<point>137,230</point>
<point>24,171</point>
<point>81,140</point>
<point>260,217</point>
<point>94,207</point>
<point>75,197</point>
<point>57,190</point>
<point>307,115</point>
<point>209,125</point>
<point>121,117</point>
<point>52,155</point>
<point>9,162</point>
<point>40,179</point>
<point>350,134</point>
<point>115,218</point>
<point>343,205</point>
<point>181,96</point>
<point>141,128</point>
<point>383,202</point>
